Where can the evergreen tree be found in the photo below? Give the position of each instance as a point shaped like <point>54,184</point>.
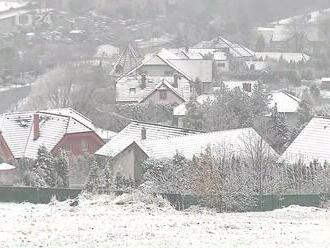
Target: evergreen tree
<point>62,170</point>
<point>44,169</point>
<point>278,133</point>
<point>260,99</point>
<point>93,181</point>
<point>194,116</point>
<point>260,44</point>
<point>305,111</point>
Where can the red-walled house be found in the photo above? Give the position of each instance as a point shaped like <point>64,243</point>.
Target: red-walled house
<point>21,134</point>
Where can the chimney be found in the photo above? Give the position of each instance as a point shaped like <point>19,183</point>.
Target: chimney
<point>36,127</point>
<point>143,133</point>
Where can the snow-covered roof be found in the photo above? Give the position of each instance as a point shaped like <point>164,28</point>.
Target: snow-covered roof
<point>132,133</point>
<point>161,85</point>
<point>128,89</point>
<point>105,134</point>
<point>286,103</point>
<point>325,79</point>
<point>188,68</point>
<point>190,145</point>
<point>127,61</point>
<point>6,167</point>
<point>294,57</point>
<point>236,50</point>
<point>313,143</point>
<point>71,113</point>
<point>195,68</point>
<point>17,130</point>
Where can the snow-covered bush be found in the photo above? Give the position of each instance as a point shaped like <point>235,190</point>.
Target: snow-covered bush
<point>143,199</point>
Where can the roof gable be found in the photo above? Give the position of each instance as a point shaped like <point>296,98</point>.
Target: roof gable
<point>313,143</point>
<point>161,85</point>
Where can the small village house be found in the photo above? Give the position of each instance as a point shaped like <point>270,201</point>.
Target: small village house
<point>22,134</point>
<point>127,160</point>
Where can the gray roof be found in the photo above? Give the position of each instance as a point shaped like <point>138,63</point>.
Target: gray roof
<point>132,133</point>
<point>313,143</point>
<point>231,140</point>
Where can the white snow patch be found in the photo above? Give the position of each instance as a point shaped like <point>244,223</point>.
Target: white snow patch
<point>99,222</point>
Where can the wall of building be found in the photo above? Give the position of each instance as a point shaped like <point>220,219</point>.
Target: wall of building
<point>171,98</point>
<point>5,153</point>
<point>8,177</point>
<point>128,163</point>
<point>79,143</point>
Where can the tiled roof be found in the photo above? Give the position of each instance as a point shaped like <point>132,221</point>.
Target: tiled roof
<point>313,143</point>
<point>132,133</point>
<point>17,130</point>
<point>190,145</point>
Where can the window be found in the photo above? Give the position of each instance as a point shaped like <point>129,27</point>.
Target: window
<point>84,146</point>
<point>132,91</point>
<point>221,65</point>
<point>247,87</point>
<point>163,94</point>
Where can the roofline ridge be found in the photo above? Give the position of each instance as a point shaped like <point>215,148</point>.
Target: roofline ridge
<point>196,134</point>
<point>164,125</point>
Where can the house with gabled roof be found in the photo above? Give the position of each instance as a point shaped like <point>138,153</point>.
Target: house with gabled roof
<point>128,159</point>
<point>221,44</point>
<point>155,90</point>
<point>287,105</point>
<point>136,131</point>
<point>312,144</point>
<point>127,61</point>
<point>22,134</point>
<point>177,71</point>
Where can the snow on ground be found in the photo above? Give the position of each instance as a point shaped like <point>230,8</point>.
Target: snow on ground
<point>102,223</point>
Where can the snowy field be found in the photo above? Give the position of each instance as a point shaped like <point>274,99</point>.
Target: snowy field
<point>101,223</point>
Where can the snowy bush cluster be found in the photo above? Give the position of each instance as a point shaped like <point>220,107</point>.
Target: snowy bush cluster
<point>231,183</point>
